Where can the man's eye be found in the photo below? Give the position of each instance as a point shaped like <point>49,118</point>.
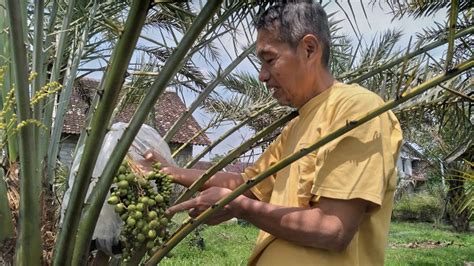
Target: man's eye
<point>271,60</point>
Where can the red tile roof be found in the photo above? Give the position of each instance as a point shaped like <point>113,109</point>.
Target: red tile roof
<point>168,108</point>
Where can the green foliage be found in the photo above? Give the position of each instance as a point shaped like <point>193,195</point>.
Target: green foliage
<point>423,206</point>
<point>467,202</point>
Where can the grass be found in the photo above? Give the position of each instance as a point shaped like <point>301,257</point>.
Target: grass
<point>231,244</point>
<point>455,248</point>
<point>225,244</point>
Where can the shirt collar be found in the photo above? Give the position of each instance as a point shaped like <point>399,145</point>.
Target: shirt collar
<point>315,101</point>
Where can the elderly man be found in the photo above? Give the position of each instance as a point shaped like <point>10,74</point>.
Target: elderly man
<point>333,206</point>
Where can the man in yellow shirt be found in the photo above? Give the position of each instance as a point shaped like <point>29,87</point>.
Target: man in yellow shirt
<point>333,206</point>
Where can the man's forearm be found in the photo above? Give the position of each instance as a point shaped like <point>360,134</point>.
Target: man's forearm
<point>302,226</point>
<point>187,177</point>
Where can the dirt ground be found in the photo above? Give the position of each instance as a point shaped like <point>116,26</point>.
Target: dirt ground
<point>50,215</point>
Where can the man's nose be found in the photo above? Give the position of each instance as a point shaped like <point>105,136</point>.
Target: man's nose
<point>264,75</point>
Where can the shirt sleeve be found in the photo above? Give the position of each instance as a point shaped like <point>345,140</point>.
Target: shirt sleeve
<point>359,163</point>
<point>270,156</point>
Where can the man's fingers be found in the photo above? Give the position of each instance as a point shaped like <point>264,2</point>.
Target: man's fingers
<point>181,207</point>
<point>193,212</point>
<point>153,155</point>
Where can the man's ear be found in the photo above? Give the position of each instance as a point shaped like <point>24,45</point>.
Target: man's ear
<point>312,46</point>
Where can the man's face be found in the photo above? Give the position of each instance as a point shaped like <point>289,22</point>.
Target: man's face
<point>283,69</point>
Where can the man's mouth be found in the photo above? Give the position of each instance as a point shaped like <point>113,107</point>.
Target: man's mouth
<point>273,90</point>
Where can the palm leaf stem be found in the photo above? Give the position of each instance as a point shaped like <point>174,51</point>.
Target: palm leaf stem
<point>404,66</point>
<point>453,16</point>
<point>146,38</point>
<point>433,59</point>
<point>38,66</point>
<point>5,61</point>
<point>171,67</point>
<point>29,248</point>
<point>113,80</point>
<point>55,75</point>
<point>90,114</point>
<point>6,217</point>
<point>192,223</point>
<point>144,73</point>
<point>459,94</point>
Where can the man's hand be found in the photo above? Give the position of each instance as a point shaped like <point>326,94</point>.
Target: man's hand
<point>152,157</point>
<point>203,201</point>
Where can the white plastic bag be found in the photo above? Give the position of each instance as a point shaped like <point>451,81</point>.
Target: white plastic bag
<point>109,224</point>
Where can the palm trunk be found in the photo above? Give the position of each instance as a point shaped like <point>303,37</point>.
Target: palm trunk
<point>235,153</point>
<point>202,96</point>
<point>191,224</point>
<point>28,250</point>
<point>113,81</point>
<point>172,65</point>
<point>65,96</point>
<point>228,133</point>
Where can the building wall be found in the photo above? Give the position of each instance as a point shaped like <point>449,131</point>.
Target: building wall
<point>183,156</point>
<point>404,164</point>
<point>66,148</point>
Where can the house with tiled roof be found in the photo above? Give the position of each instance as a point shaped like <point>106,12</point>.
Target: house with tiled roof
<point>167,110</point>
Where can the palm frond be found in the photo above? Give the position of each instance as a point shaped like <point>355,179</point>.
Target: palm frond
<point>246,95</point>
<point>416,9</point>
<point>381,49</point>
<point>170,16</point>
<point>189,70</point>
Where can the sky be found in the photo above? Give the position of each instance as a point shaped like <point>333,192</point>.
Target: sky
<point>380,21</point>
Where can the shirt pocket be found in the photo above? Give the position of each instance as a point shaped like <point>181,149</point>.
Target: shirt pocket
<point>306,174</point>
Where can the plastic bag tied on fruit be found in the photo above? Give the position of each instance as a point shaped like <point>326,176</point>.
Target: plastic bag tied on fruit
<point>109,224</point>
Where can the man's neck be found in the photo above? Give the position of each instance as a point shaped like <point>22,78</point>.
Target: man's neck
<point>324,81</point>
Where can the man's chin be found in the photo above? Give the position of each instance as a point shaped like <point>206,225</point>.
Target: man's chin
<point>284,103</point>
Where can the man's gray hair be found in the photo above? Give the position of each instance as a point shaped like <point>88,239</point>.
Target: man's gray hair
<point>295,19</point>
